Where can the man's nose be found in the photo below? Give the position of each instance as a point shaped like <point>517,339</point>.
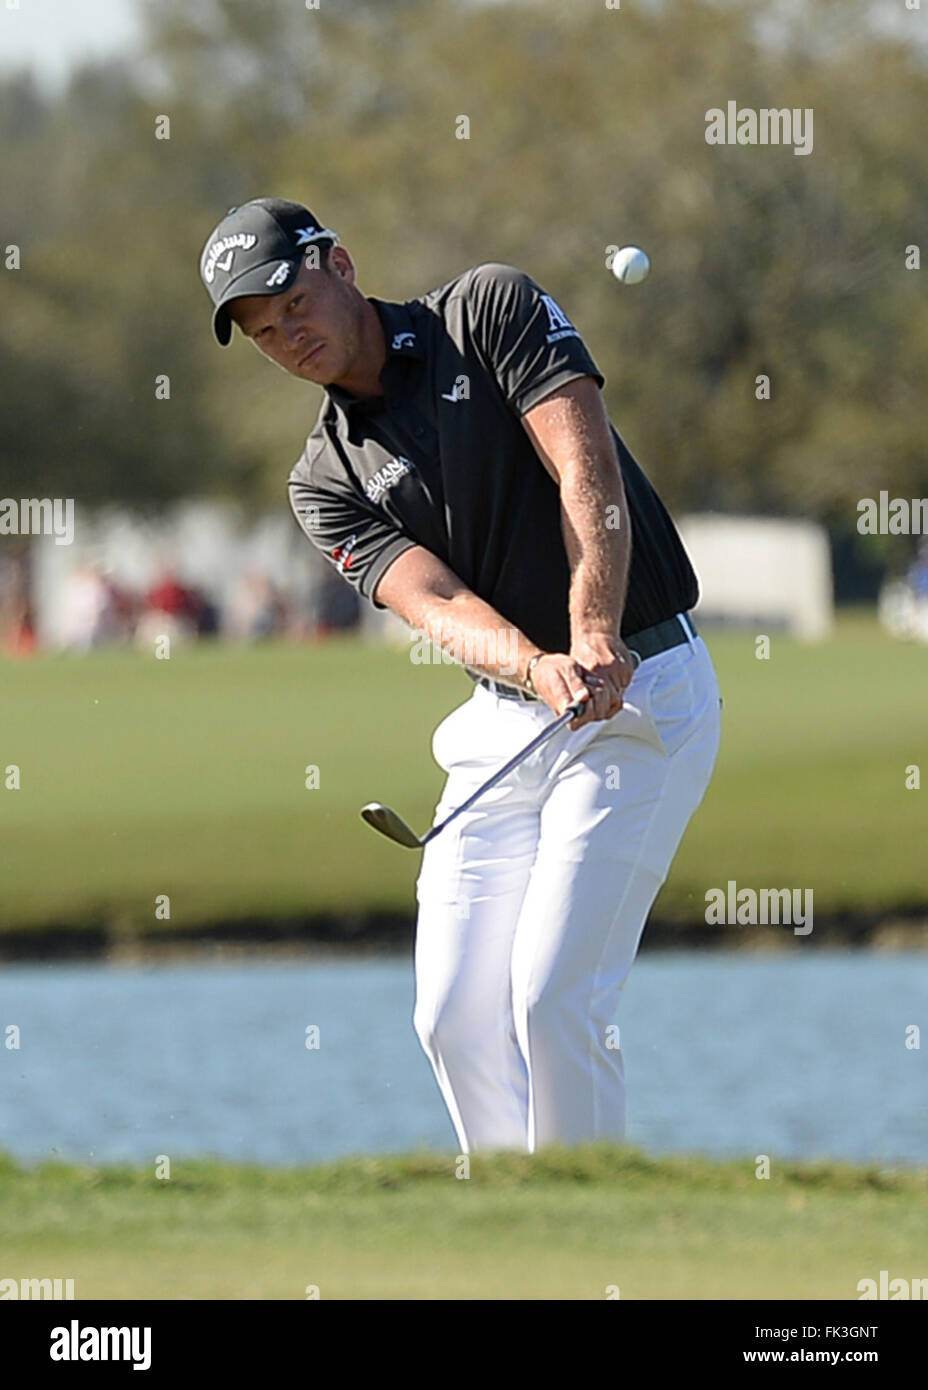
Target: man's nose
<point>294,334</point>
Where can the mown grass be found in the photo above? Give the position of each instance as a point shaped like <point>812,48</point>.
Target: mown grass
<point>186,777</point>
<point>563,1223</point>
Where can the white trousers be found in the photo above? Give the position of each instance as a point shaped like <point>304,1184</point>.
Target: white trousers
<point>532,904</point>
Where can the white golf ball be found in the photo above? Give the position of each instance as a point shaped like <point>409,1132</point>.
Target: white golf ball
<point>631,265</point>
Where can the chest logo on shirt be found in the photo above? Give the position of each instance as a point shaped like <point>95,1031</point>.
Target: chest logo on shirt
<point>460,390</point>
<point>342,554</point>
<point>559,325</point>
<point>386,477</point>
<point>401,340</point>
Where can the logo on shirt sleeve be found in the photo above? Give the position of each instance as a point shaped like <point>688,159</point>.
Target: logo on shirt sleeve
<point>342,554</point>
<point>559,325</point>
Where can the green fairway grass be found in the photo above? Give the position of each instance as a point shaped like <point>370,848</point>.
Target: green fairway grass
<point>561,1224</point>
<point>186,777</point>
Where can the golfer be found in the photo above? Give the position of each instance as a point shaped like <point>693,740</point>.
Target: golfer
<point>463,473</point>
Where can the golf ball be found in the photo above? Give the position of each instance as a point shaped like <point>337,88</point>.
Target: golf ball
<point>631,265</point>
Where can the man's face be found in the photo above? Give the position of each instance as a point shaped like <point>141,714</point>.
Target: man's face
<point>314,329</point>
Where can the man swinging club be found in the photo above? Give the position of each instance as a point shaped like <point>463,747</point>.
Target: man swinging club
<point>463,472</point>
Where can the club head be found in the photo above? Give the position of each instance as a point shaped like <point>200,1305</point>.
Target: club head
<point>390,824</point>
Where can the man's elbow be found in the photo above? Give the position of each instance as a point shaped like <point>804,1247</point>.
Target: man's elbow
<point>418,584</point>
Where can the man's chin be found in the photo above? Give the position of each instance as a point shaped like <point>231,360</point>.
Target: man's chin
<point>319,376</point>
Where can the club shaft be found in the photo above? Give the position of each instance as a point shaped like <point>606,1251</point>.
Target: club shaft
<point>572,713</point>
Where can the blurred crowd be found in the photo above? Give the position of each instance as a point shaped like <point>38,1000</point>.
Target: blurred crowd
<point>96,611</point>
<point>903,606</point>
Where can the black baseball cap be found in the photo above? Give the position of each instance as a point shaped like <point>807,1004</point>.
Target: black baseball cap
<point>257,248</point>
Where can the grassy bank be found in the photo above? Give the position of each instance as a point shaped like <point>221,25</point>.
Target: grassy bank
<point>186,778</point>
<point>563,1224</point>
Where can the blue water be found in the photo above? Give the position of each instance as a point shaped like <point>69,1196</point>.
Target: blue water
<point>794,1056</point>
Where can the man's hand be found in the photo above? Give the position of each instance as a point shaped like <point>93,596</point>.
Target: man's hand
<point>597,669</point>
<point>610,667</point>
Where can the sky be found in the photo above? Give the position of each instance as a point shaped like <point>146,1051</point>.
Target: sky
<point>50,36</point>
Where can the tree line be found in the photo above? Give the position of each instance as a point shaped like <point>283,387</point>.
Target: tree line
<point>773,362</point>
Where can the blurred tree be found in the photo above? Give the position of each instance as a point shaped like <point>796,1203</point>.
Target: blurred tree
<point>586,130</point>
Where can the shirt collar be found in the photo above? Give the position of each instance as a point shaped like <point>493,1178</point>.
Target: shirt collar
<point>402,341</point>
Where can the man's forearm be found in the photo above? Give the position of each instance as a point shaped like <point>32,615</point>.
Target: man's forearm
<point>597,537</point>
<point>476,636</point>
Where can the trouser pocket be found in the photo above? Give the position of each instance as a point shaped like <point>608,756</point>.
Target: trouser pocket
<point>683,697</point>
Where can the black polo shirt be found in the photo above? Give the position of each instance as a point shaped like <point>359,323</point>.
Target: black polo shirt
<point>441,460</point>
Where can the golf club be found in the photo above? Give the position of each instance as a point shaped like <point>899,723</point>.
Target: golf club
<point>395,828</point>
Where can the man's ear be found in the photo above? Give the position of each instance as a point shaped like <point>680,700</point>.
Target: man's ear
<point>339,263</point>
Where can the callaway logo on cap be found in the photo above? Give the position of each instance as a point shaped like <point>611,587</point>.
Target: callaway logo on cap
<point>257,249</point>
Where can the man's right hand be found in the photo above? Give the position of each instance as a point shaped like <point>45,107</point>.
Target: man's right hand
<point>560,681</point>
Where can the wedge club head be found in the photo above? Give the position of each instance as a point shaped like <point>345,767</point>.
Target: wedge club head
<point>396,829</point>
<point>390,824</point>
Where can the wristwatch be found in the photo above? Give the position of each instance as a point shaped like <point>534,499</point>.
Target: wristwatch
<point>528,671</point>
